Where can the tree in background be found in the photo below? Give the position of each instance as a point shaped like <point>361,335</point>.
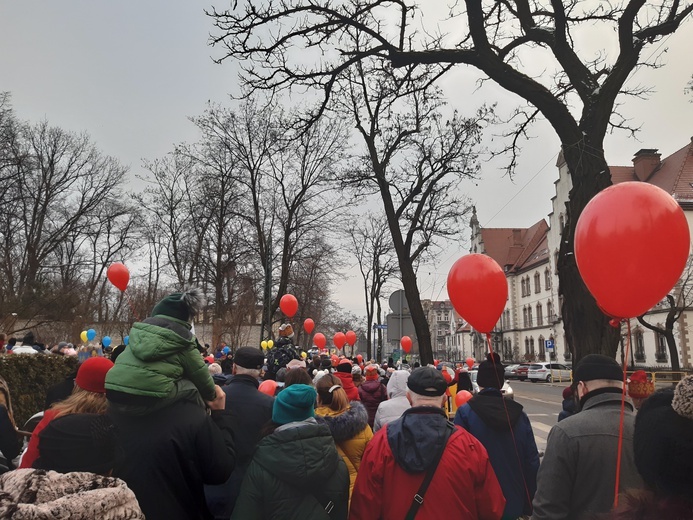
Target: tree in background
<point>577,93</point>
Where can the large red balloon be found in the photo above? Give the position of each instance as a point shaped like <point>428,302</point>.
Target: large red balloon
<point>118,275</point>
<point>319,340</point>
<point>406,343</point>
<point>470,362</point>
<point>289,305</point>
<point>308,325</point>
<point>462,397</point>
<point>339,340</point>
<point>268,387</point>
<point>631,245</point>
<point>478,290</point>
<point>350,337</point>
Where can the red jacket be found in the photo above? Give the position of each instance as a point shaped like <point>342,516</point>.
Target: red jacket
<point>464,485</point>
<point>348,385</point>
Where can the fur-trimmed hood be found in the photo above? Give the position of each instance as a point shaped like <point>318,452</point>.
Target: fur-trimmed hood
<point>345,425</point>
<point>37,494</point>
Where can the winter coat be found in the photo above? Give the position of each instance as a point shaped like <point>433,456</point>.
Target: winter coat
<point>464,485</point>
<point>294,474</point>
<point>351,434</point>
<point>37,494</point>
<point>348,385</point>
<point>568,409</point>
<point>32,450</point>
<point>646,505</point>
<point>484,416</point>
<point>372,393</point>
<point>161,352</point>
<point>169,454</point>
<point>9,442</point>
<point>397,403</point>
<point>250,411</point>
<point>577,477</point>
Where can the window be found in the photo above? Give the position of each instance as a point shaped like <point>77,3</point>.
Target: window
<point>547,279</point>
<point>661,352</point>
<point>552,354</point>
<point>555,259</point>
<point>639,346</point>
<point>537,283</point>
<point>527,347</point>
<point>549,312</point>
<point>524,316</point>
<point>542,351</point>
<point>561,222</point>
<point>531,346</point>
<point>529,316</point>
<point>540,316</point>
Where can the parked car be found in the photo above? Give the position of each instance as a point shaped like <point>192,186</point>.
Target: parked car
<point>507,390</point>
<point>548,372</point>
<point>509,371</point>
<point>518,372</point>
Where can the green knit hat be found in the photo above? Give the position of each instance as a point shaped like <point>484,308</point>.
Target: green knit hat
<point>294,403</point>
<point>181,306</point>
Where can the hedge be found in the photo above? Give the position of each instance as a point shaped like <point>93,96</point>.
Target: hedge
<point>30,376</point>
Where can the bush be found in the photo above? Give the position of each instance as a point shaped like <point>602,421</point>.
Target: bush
<point>30,376</point>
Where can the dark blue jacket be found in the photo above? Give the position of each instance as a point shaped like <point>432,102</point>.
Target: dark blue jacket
<point>487,416</point>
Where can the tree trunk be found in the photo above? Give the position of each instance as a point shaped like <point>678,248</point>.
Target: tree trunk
<point>586,326</point>
<point>673,352</point>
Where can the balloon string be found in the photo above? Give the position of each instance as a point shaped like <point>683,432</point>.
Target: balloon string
<point>622,418</point>
<point>132,306</point>
<point>507,416</point>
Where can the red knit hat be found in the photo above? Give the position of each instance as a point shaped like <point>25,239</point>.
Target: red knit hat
<point>91,374</point>
<point>372,373</point>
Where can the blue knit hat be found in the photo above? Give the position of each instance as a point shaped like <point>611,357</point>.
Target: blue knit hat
<point>294,403</point>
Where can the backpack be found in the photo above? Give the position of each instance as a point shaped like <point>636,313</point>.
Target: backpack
<point>279,357</point>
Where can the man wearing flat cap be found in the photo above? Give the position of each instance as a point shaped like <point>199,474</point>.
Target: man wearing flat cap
<point>250,411</point>
<point>577,477</point>
<point>421,464</point>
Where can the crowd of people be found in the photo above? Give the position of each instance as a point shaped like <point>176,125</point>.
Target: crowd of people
<point>165,429</point>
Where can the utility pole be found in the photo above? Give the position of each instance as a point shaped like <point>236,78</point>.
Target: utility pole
<point>267,319</point>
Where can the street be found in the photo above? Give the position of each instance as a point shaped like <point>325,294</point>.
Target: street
<point>542,403</point>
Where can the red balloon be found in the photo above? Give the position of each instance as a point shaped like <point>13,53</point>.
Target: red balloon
<point>435,362</point>
<point>462,397</point>
<point>406,343</point>
<point>268,387</point>
<point>118,275</point>
<point>478,290</point>
<point>631,245</point>
<point>334,359</point>
<point>319,340</point>
<point>470,362</point>
<point>339,340</point>
<point>289,305</point>
<point>308,325</point>
<point>350,337</point>
<point>359,358</point>
<point>615,323</point>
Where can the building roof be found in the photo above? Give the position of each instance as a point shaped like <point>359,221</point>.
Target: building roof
<point>517,249</point>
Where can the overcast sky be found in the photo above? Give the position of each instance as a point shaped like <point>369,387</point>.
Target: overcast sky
<point>129,73</point>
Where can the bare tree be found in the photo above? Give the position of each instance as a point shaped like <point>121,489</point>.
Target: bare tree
<point>678,301</point>
<point>377,264</point>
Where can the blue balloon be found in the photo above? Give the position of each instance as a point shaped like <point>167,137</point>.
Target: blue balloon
<point>91,334</point>
<point>106,341</point>
<point>226,350</point>
<point>126,340</point>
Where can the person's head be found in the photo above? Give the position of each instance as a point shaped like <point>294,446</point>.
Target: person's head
<point>297,376</point>
<point>181,306</point>
<point>11,342</point>
<point>372,373</point>
<point>296,364</point>
<point>344,366</point>
<point>596,371</point>
<point>28,339</point>
<point>491,373</point>
<point>293,404</point>
<point>331,393</point>
<point>663,441</point>
<point>214,369</point>
<point>89,393</point>
<point>397,384</point>
<point>568,392</point>
<point>248,361</point>
<point>280,375</point>
<point>78,442</point>
<point>426,387</point>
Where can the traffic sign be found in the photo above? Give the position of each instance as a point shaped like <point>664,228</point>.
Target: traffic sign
<point>376,326</point>
<point>549,344</point>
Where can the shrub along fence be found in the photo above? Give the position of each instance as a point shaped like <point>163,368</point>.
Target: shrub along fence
<point>30,376</point>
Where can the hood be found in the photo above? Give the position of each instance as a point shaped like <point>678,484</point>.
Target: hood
<point>370,387</point>
<point>345,425</point>
<point>491,408</point>
<point>397,385</point>
<point>417,436</point>
<point>157,338</point>
<point>302,454</point>
<point>346,379</point>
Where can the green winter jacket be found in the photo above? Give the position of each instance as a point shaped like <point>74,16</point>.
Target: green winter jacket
<point>162,351</point>
<point>295,472</point>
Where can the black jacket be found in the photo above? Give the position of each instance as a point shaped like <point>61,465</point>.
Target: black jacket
<point>9,442</point>
<point>168,455</point>
<point>250,410</point>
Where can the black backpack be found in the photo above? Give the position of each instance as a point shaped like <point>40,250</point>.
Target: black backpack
<point>279,356</point>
